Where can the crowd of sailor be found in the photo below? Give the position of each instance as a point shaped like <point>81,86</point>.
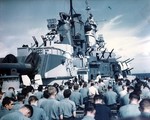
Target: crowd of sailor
<point>77,99</point>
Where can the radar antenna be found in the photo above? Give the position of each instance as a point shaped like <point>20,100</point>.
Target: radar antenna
<point>87,6</point>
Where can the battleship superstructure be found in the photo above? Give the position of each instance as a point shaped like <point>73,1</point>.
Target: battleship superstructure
<point>70,49</point>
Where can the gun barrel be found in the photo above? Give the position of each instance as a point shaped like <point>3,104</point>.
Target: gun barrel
<point>20,67</point>
<point>126,60</point>
<point>130,60</point>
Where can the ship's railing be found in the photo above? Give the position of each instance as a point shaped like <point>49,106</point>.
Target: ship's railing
<point>24,51</point>
<point>50,50</point>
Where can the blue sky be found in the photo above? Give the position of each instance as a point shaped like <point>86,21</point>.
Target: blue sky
<point>126,29</point>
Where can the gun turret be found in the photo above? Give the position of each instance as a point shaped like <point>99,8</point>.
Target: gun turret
<point>29,67</point>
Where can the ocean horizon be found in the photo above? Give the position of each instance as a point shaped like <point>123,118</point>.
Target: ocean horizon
<point>142,75</point>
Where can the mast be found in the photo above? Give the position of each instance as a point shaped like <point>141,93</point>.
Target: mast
<point>71,10</point>
<point>72,20</point>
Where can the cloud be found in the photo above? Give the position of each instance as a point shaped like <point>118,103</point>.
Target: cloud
<point>1,29</point>
<point>111,24</point>
<point>5,50</point>
<point>34,31</point>
<point>125,41</point>
<point>10,40</point>
<point>10,37</point>
<point>20,39</point>
<point>116,20</point>
<point>37,32</point>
